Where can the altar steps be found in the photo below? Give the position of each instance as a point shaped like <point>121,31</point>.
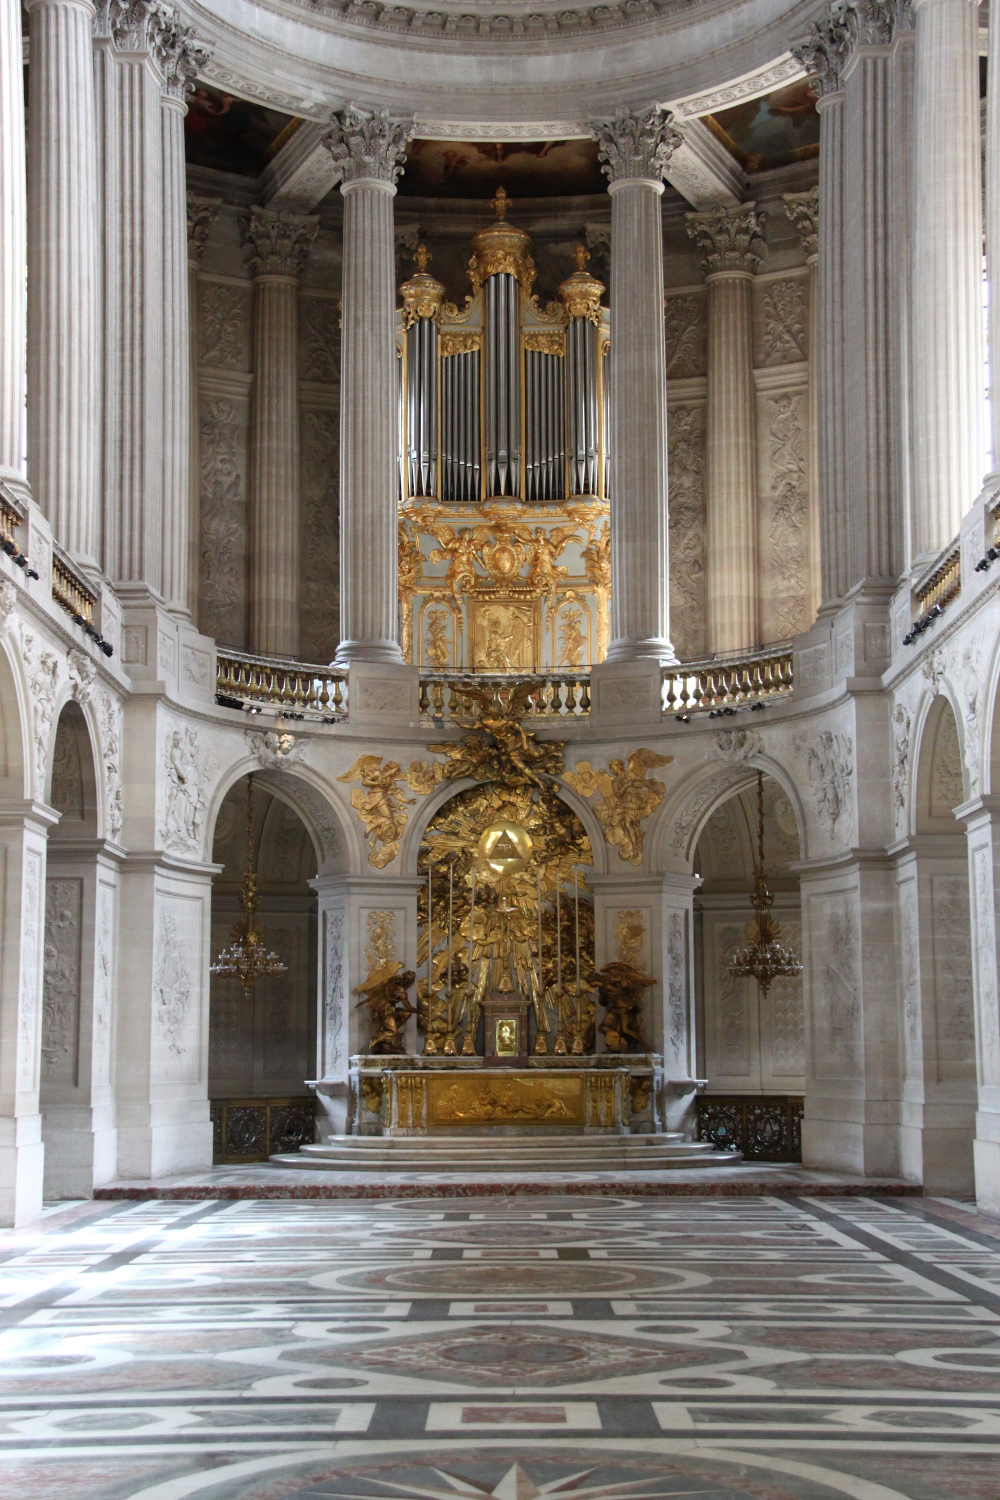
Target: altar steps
<point>507,1154</point>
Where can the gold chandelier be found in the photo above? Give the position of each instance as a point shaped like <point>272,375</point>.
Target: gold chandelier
<point>247,959</point>
<point>765,959</point>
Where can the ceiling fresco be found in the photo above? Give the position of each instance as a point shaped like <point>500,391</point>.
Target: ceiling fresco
<point>526,169</point>
<point>230,135</point>
<point>770,132</point>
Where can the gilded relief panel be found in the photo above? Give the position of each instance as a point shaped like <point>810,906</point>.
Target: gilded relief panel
<point>504,636</point>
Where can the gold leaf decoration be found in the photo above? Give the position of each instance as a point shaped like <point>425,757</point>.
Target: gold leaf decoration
<point>380,804</point>
<point>624,798</point>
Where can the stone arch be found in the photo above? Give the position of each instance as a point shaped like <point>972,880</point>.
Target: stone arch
<point>939,773</point>
<point>15,729</point>
<point>337,841</point>
<point>73,777</point>
<point>673,839</point>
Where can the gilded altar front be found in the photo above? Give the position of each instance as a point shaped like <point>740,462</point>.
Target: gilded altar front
<point>601,1095</point>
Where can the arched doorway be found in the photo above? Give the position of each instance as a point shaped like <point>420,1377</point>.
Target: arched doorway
<point>750,1047</point>
<point>76,1075</point>
<point>939,1044</point>
<point>262,1045</point>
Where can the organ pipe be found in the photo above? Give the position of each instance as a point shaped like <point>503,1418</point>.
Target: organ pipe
<point>502,395</point>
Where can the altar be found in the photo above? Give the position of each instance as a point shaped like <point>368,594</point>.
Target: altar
<point>440,1095</point>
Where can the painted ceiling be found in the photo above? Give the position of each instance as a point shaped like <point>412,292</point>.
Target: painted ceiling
<point>230,135</point>
<point>771,132</point>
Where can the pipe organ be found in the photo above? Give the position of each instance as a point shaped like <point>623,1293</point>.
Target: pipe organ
<point>503,465</point>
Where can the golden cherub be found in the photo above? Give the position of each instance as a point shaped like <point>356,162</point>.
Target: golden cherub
<point>626,798</point>
<point>381,806</point>
<point>459,548</point>
<point>547,546</point>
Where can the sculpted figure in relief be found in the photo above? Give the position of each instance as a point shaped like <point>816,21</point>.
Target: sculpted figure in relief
<point>620,988</point>
<point>626,798</point>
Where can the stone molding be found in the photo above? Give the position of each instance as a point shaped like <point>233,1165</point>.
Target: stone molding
<point>636,144</point>
<point>731,239</point>
<point>201,214</point>
<point>803,210</point>
<point>367,145</point>
<point>276,241</point>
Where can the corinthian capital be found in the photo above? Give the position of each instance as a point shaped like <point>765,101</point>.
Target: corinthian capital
<point>180,55</point>
<point>731,239</point>
<point>825,51</point>
<point>803,210</point>
<point>366,145</point>
<point>636,143</point>
<point>200,215</point>
<point>133,25</point>
<point>276,241</point>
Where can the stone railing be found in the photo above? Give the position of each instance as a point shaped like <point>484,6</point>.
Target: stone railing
<point>935,592</point>
<point>294,690</point>
<point>725,682</point>
<point>558,694</point>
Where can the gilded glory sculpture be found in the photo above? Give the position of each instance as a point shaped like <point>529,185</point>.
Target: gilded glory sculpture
<point>620,988</point>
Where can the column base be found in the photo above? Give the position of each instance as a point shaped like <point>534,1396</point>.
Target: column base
<point>652,648</point>
<point>21,1168</point>
<point>349,652</point>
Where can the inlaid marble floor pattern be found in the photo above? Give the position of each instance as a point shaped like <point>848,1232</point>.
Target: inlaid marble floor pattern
<point>608,1349</point>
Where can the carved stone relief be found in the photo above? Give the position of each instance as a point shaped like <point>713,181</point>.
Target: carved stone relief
<point>67,774</point>
<point>784,506</point>
<point>953,977</point>
<point>986,964</point>
<point>110,717</point>
<point>335,1002</point>
<point>31,919</point>
<point>900,761</point>
<point>319,612</point>
<point>173,987</point>
<point>686,441</point>
<point>829,760</point>
<point>271,749</point>
<point>686,332</point>
<point>61,981</point>
<point>188,766</point>
<point>675,988</point>
<point>42,669</point>
<point>783,321</point>
<point>837,987</point>
<point>319,339</point>
<point>946,768</point>
<point>223,546</point>
<point>788,1036</point>
<point>225,325</point>
<point>910,974</point>
<point>103,979</point>
<point>81,675</point>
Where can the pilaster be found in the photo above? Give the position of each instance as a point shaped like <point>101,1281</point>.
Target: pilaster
<point>803,210</point>
<point>276,244</point>
<point>636,147</point>
<point>732,245</point>
<point>982,823</point>
<point>201,213</point>
<point>13,244</point>
<point>367,150</point>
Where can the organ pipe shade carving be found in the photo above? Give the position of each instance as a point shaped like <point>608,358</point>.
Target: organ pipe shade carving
<point>503,398</point>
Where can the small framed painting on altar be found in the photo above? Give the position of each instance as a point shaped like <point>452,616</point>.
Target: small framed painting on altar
<point>506,1018</point>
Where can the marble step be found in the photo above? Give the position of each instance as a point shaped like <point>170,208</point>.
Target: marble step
<point>508,1154</point>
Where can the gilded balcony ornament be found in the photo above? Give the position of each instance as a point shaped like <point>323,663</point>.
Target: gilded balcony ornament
<point>423,297</point>
<point>625,798</point>
<point>502,248</point>
<point>580,294</point>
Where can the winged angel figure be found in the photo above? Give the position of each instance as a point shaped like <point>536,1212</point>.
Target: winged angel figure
<point>499,749</point>
<point>381,805</point>
<point>459,548</point>
<point>625,799</point>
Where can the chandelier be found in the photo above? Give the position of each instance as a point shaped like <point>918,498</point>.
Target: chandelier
<point>247,959</point>
<point>765,959</point>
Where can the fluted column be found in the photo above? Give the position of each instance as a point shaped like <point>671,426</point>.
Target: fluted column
<point>993,224</point>
<point>946,241</point>
<point>732,243</point>
<point>13,241</point>
<point>63,365</point>
<point>366,151</point>
<point>131,127</point>
<point>200,214</point>
<point>180,57</point>
<point>803,210</point>
<point>276,243</point>
<point>636,147</point>
<point>824,53</point>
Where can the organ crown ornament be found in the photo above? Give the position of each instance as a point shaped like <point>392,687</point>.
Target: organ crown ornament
<point>731,239</point>
<point>636,144</point>
<point>422,295</point>
<point>501,248</point>
<point>580,294</point>
<point>366,145</point>
<point>276,241</point>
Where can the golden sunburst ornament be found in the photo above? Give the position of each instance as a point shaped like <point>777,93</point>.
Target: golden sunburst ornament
<point>247,959</point>
<point>765,959</point>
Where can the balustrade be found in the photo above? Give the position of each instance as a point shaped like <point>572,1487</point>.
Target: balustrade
<point>718,681</point>
<point>558,694</point>
<point>295,689</point>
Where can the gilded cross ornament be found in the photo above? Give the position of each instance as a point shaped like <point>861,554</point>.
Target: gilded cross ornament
<point>636,144</point>
<point>367,145</point>
<point>580,294</point>
<point>625,798</point>
<point>422,295</point>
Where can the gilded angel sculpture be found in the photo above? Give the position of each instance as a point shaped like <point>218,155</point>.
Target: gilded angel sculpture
<point>380,804</point>
<point>626,798</point>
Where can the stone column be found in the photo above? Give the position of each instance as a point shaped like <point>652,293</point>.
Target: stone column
<point>276,244</point>
<point>993,226</point>
<point>13,244</point>
<point>901,189</point>
<point>367,150</point>
<point>180,57</point>
<point>200,214</point>
<point>946,270</point>
<point>130,124</point>
<point>636,147</point>
<point>63,365</point>
<point>823,53</point>
<point>732,243</point>
<point>803,210</point>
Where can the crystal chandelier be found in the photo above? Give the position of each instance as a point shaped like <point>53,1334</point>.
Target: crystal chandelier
<point>247,959</point>
<point>765,959</point>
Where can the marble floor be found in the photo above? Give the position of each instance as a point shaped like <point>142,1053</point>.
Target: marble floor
<point>605,1348</point>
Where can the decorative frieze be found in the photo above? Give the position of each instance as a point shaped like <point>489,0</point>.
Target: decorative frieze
<point>803,210</point>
